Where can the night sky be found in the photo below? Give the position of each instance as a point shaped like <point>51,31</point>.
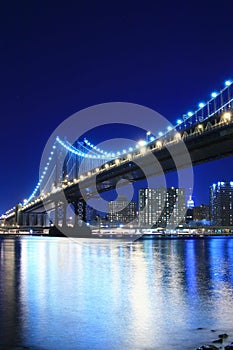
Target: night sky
<point>57,60</point>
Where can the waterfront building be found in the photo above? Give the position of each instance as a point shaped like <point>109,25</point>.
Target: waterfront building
<point>151,204</point>
<point>121,211</point>
<point>221,203</point>
<point>161,207</point>
<point>189,215</point>
<point>201,212</point>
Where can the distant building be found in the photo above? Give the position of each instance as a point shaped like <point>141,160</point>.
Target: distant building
<point>189,215</point>
<point>121,211</point>
<point>189,212</point>
<point>161,207</point>
<point>201,212</point>
<point>151,204</point>
<point>190,202</point>
<point>221,203</point>
<point>91,215</point>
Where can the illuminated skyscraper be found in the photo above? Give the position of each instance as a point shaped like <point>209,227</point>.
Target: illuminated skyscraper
<point>190,207</point>
<point>161,207</point>
<point>151,205</point>
<point>190,202</point>
<point>121,211</point>
<point>221,203</point>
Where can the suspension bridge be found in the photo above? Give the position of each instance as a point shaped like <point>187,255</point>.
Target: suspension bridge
<point>75,172</point>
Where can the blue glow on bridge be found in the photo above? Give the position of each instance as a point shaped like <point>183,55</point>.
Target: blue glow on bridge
<point>220,101</point>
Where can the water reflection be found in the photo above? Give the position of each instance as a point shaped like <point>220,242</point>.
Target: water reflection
<point>148,295</point>
<point>10,304</point>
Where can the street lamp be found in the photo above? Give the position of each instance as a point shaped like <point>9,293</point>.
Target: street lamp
<point>228,82</point>
<point>214,95</point>
<point>179,122</point>
<point>201,106</point>
<point>226,117</point>
<point>142,143</point>
<point>148,135</point>
<point>190,114</point>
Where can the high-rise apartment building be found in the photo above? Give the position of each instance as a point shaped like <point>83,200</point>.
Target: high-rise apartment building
<point>201,212</point>
<point>221,203</point>
<point>121,211</point>
<point>161,207</point>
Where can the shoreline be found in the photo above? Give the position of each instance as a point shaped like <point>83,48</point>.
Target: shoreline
<point>144,236</point>
<point>114,233</point>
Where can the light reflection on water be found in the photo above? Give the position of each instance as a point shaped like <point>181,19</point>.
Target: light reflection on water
<point>55,293</point>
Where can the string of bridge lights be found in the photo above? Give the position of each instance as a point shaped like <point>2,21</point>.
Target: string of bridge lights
<point>110,155</point>
<point>170,128</point>
<point>26,201</point>
<point>41,177</point>
<point>98,153</point>
<point>202,105</point>
<point>101,154</point>
<point>69,147</point>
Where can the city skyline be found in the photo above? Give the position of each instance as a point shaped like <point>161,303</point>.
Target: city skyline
<point>168,207</point>
<point>94,55</point>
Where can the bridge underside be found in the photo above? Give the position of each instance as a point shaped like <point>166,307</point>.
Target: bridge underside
<point>211,140</point>
<point>212,145</point>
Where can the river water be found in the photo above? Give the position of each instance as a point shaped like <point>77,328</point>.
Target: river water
<point>56,293</point>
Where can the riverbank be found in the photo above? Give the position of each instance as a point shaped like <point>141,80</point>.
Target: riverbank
<point>137,233</point>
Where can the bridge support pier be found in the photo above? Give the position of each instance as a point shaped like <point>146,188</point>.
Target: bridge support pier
<point>56,214</point>
<point>60,214</point>
<point>64,219</point>
<point>32,219</point>
<point>25,219</point>
<point>79,207</point>
<point>18,215</point>
<point>46,221</point>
